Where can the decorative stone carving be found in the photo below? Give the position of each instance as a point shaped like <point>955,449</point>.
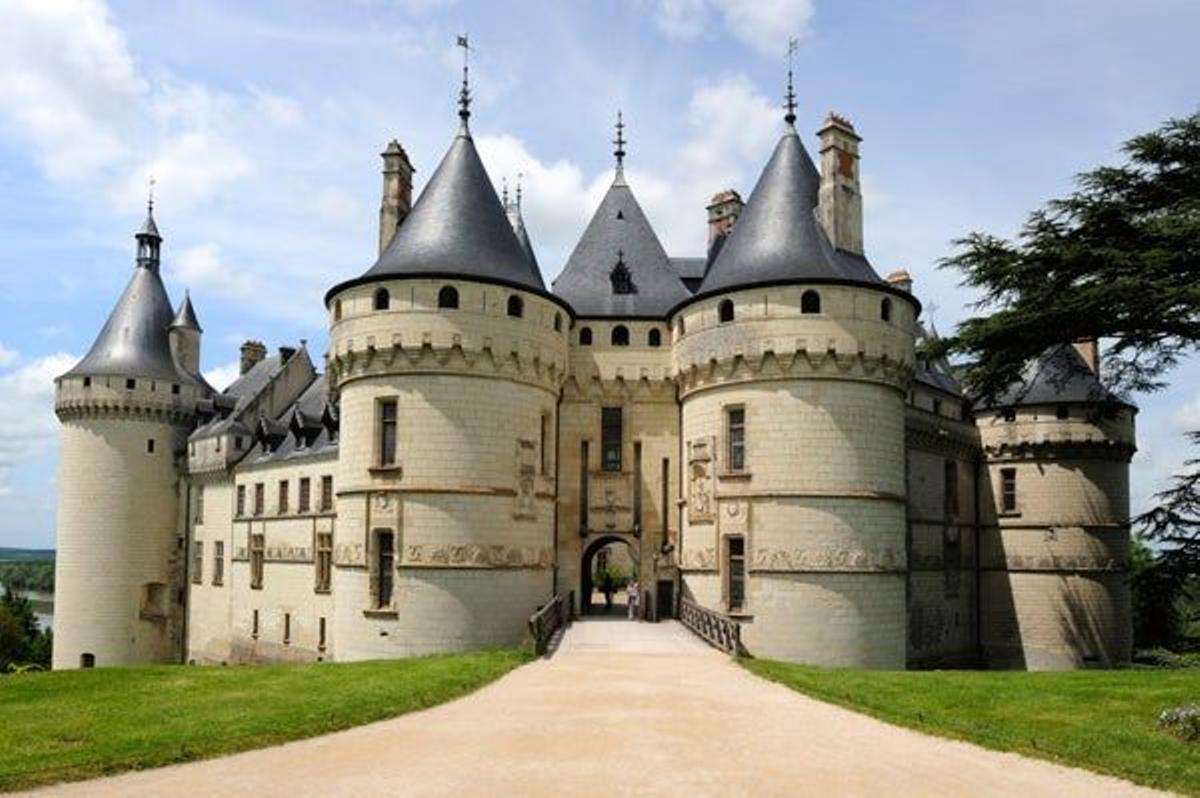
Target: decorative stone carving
<point>524,506</point>
<point>474,555</point>
<point>734,516</point>
<point>700,479</point>
<point>350,554</point>
<point>696,559</point>
<point>385,506</point>
<point>827,559</point>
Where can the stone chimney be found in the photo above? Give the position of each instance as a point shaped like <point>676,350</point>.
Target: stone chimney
<point>900,279</point>
<point>723,211</point>
<point>840,204</point>
<point>1089,349</point>
<point>252,352</point>
<point>397,192</point>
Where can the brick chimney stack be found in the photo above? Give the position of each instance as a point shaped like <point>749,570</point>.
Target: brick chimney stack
<point>252,352</point>
<point>397,192</point>
<point>840,200</point>
<point>900,279</point>
<point>723,211</point>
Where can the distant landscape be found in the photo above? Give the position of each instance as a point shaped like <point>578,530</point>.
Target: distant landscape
<point>27,569</point>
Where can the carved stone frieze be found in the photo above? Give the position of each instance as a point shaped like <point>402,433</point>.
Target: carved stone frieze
<point>350,554</point>
<point>699,559</point>
<point>524,504</point>
<point>474,555</point>
<point>827,559</point>
<point>701,463</point>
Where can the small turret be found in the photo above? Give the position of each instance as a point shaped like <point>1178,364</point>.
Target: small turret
<point>184,335</point>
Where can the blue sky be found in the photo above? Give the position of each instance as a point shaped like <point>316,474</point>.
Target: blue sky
<point>263,122</point>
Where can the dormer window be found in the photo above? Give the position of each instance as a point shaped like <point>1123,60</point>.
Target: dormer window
<point>622,280</point>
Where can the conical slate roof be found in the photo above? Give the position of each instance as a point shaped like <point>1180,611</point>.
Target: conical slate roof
<point>619,232</point>
<point>185,317</point>
<point>133,342</point>
<point>458,228</point>
<point>1058,376</point>
<point>518,225</point>
<point>777,238</point>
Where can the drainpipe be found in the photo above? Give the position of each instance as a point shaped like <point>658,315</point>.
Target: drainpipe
<point>187,564</point>
<point>557,476</point>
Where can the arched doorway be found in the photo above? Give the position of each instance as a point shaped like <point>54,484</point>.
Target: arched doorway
<point>604,553</point>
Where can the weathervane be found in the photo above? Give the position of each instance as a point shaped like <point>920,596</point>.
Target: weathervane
<point>150,197</point>
<point>504,191</point>
<point>520,176</point>
<point>619,142</point>
<point>464,96</point>
<point>790,100</point>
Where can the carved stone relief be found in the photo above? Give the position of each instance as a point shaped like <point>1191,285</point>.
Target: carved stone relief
<point>524,506</point>
<point>700,480</point>
<point>474,555</point>
<point>734,516</point>
<point>699,559</point>
<point>350,554</point>
<point>827,559</point>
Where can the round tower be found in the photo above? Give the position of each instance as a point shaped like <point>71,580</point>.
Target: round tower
<point>447,356</point>
<point>125,410</point>
<point>1054,551</point>
<point>792,362</point>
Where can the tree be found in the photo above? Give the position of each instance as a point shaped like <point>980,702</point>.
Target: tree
<point>1118,259</point>
<point>21,641</point>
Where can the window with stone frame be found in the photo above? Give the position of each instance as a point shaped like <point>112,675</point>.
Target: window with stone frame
<point>198,508</point>
<point>611,434</point>
<point>735,573</point>
<point>383,568</point>
<point>952,561</point>
<point>283,496</point>
<point>1008,490</point>
<point>218,577</point>
<point>324,562</point>
<point>260,492</point>
<point>950,488</point>
<point>257,557</point>
<point>303,500</point>
<point>735,438</point>
<point>241,500</point>
<point>197,562</point>
<point>326,493</point>
<point>387,432</point>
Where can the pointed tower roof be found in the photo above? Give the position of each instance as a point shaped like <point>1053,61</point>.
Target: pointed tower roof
<point>1058,376</point>
<point>185,317</point>
<point>517,221</point>
<point>133,342</point>
<point>619,267</point>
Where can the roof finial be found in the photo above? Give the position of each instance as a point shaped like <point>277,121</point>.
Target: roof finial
<point>790,99</point>
<point>150,197</point>
<point>520,176</point>
<point>504,191</point>
<point>464,95</point>
<point>619,142</point>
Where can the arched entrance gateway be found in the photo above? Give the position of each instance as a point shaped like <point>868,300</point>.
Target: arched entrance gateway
<point>616,554</point>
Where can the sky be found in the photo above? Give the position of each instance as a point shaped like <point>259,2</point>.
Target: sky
<point>262,125</point>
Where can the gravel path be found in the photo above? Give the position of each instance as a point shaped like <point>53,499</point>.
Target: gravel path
<point>621,709</point>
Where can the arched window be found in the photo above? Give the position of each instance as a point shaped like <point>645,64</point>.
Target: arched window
<point>885,309</point>
<point>585,336</point>
<point>810,302</point>
<point>516,307</point>
<point>620,335</point>
<point>337,310</point>
<point>558,322</point>
<point>382,299</point>
<point>448,297</point>
<point>655,337</point>
<point>725,310</point>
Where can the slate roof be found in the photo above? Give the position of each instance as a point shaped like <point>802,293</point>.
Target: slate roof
<point>185,317</point>
<point>229,403</point>
<point>457,228</point>
<point>513,212</point>
<point>306,429</point>
<point>777,236</point>
<point>1059,375</point>
<point>620,231</point>
<point>935,373</point>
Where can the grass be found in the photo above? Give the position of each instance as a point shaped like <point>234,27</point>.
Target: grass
<point>74,725</point>
<point>1103,721</point>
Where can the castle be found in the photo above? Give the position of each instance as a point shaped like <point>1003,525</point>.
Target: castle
<point>756,425</point>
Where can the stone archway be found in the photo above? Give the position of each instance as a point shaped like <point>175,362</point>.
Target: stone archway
<point>586,562</point>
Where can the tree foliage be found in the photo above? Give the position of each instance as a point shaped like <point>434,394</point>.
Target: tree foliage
<point>1118,259</point>
<point>22,643</point>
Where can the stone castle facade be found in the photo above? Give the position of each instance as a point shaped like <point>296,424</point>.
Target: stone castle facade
<point>756,425</point>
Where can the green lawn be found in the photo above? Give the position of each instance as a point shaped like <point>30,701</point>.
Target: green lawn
<point>1099,720</point>
<point>78,724</point>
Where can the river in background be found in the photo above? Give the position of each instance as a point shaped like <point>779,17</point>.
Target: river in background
<point>43,605</point>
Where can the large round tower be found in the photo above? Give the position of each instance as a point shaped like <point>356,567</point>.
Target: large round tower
<point>1054,553</point>
<point>125,411</point>
<point>792,362</point>
<point>447,356</point>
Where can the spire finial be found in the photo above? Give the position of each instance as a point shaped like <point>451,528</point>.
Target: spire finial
<point>790,99</point>
<point>150,197</point>
<point>464,95</point>
<point>619,142</point>
<point>504,191</point>
<point>520,176</point>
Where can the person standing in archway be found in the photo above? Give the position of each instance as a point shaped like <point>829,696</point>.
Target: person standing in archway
<point>633,598</point>
<point>607,587</point>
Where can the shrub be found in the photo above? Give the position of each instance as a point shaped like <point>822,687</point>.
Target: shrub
<point>1183,722</point>
<point>1165,659</point>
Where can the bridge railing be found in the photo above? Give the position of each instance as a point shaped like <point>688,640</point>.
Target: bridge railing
<point>719,630</point>
<point>555,614</point>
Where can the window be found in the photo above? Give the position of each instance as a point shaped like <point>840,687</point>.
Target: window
<point>544,431</point>
<point>241,500</point>
<point>149,446</point>
<point>384,560</point>
<point>259,498</point>
<point>254,624</point>
<point>622,280</point>
<point>302,502</point>
<point>337,310</point>
<point>735,426</point>
<point>257,553</point>
<point>558,322</point>
<point>198,510</point>
<point>448,297</point>
<point>937,407</point>
<point>197,562</point>
<point>218,562</point>
<point>287,628</point>
<point>682,327</point>
<point>217,442</point>
<point>237,443</point>
<point>610,438</point>
<point>87,382</point>
<point>810,302</point>
<point>326,493</point>
<point>620,335</point>
<point>1062,412</point>
<point>885,310</point>
<point>324,561</point>
<point>585,336</point>
<point>655,337</point>
<point>130,384</point>
<point>387,432</point>
<point>735,573</point>
<point>321,633</point>
<point>516,307</point>
<point>583,486</point>
<point>382,299</point>
<point>87,660</point>
<point>1008,490</point>
<point>1009,415</point>
<point>950,486</point>
<point>283,497</point>
<point>725,311</point>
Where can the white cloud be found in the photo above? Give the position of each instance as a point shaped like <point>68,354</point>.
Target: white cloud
<point>336,205</point>
<point>202,268</point>
<point>222,377</point>
<point>1187,417</point>
<point>279,110</point>
<point>8,356</point>
<point>681,19</point>
<point>765,25</point>
<point>27,425</point>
